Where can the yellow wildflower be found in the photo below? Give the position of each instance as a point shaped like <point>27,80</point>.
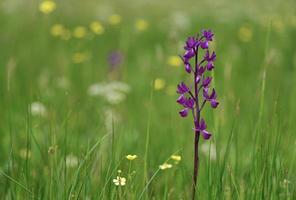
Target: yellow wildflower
<point>159,84</point>
<point>141,25</point>
<point>57,30</point>
<point>79,57</point>
<point>119,181</point>
<point>47,6</point>
<point>165,166</point>
<point>114,19</point>
<point>131,157</point>
<point>176,158</point>
<point>79,32</point>
<point>245,33</point>
<point>174,61</point>
<point>97,27</point>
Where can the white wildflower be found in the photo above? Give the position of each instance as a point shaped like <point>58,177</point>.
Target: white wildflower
<point>114,97</point>
<point>38,109</point>
<point>71,161</point>
<point>119,181</point>
<point>114,92</point>
<point>97,89</point>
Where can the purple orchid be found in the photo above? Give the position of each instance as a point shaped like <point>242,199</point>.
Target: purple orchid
<point>210,58</point>
<point>115,59</point>
<point>191,43</point>
<point>211,98</point>
<point>182,88</point>
<point>206,81</point>
<point>201,127</point>
<point>194,98</point>
<point>208,34</point>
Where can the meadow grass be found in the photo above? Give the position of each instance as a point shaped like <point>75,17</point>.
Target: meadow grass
<point>72,145</point>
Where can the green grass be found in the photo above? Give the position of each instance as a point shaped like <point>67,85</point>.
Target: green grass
<point>253,128</point>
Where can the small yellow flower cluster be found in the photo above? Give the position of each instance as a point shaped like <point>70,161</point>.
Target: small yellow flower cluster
<point>114,19</point>
<point>159,84</point>
<point>245,33</point>
<point>141,25</point>
<point>47,6</point>
<point>97,27</point>
<point>174,61</point>
<point>58,30</point>
<point>131,157</point>
<point>176,158</point>
<point>166,165</point>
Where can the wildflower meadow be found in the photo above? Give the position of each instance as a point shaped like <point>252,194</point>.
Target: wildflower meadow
<point>148,100</point>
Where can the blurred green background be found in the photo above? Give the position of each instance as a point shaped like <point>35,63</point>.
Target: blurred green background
<point>85,83</point>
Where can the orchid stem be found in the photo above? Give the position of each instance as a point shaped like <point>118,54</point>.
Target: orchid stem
<point>196,164</point>
<point>196,122</point>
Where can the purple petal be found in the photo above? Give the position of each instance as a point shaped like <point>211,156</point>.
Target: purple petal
<point>191,43</point>
<point>207,81</point>
<point>207,55</point>
<point>182,88</point>
<point>213,57</point>
<point>213,95</point>
<point>189,54</point>
<point>214,103</point>
<point>181,100</point>
<point>197,80</point>
<point>205,93</point>
<point>210,58</point>
<point>184,112</point>
<point>208,34</point>
<point>201,70</point>
<point>190,103</point>
<point>206,135</point>
<point>210,66</point>
<point>204,45</point>
<point>188,68</point>
<point>202,125</point>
